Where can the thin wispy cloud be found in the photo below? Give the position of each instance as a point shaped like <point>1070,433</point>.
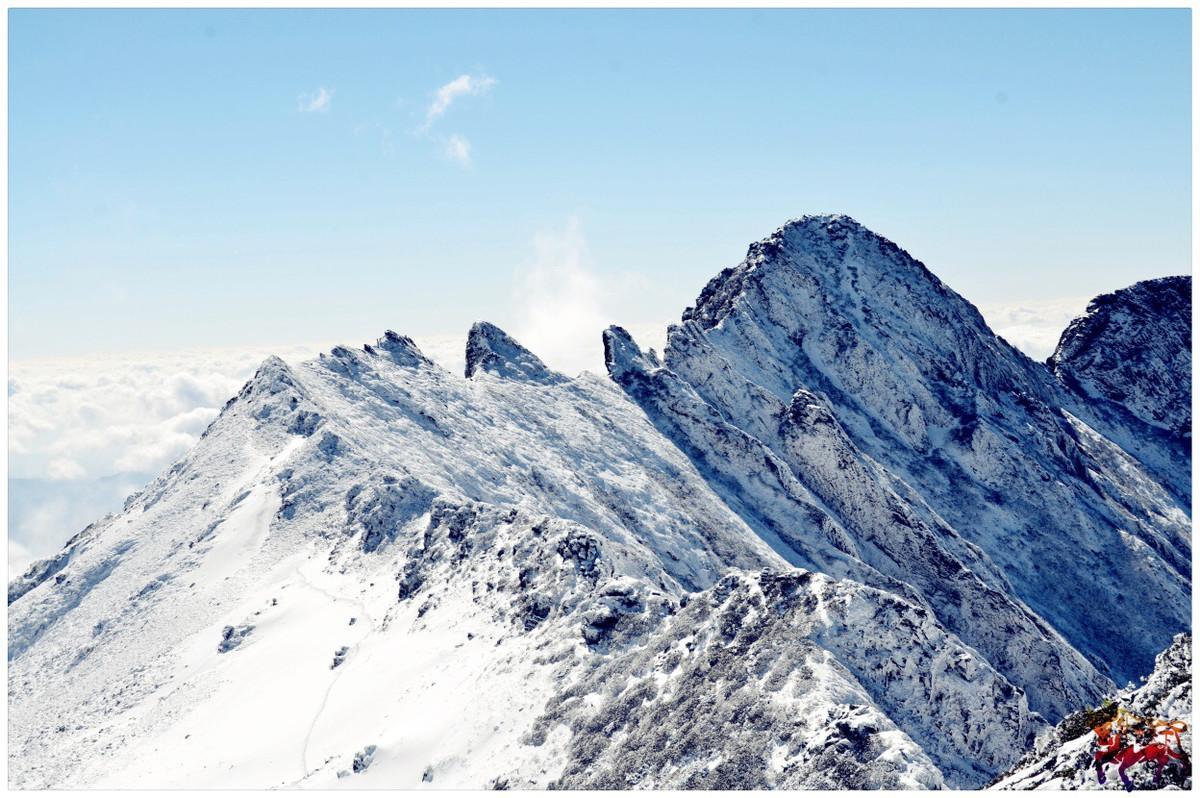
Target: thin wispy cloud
<point>318,102</point>
<point>458,149</point>
<point>461,86</point>
<point>563,303</point>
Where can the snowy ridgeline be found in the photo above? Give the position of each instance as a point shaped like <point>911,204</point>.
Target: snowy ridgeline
<point>839,535</point>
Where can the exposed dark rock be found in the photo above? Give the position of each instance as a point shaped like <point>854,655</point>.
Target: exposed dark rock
<point>491,350</point>
<point>232,637</point>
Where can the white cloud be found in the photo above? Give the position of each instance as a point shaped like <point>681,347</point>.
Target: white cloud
<point>43,514</point>
<point>448,351</point>
<point>458,149</point>
<point>77,418</point>
<point>319,102</point>
<point>563,305</point>
<point>559,303</point>
<point>461,86</point>
<point>75,422</point>
<point>65,468</point>
<point>19,558</point>
<point>1033,326</point>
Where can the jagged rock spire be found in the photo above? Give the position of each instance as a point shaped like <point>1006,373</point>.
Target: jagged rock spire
<point>491,350</point>
<point>402,349</point>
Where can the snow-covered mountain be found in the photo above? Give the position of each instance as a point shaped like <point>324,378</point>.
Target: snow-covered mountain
<point>839,535</point>
<point>1132,349</point>
<point>1127,364</point>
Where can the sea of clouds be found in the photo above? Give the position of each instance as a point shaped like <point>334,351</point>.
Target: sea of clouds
<point>84,433</point>
<point>1033,327</point>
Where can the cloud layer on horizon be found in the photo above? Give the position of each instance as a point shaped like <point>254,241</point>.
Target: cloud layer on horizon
<point>1034,327</point>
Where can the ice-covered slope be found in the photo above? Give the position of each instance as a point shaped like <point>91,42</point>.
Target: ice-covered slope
<point>1063,758</point>
<point>713,571</point>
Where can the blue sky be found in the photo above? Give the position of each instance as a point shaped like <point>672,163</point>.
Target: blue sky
<point>192,190</point>
<point>170,188</point>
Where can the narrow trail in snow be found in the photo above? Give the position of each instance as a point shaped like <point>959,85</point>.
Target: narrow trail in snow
<point>304,770</point>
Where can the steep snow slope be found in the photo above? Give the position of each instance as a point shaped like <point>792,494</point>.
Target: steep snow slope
<point>368,551</point>
<point>890,400</point>
<point>1063,757</point>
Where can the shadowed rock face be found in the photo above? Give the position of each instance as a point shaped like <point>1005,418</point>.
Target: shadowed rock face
<point>1133,349</point>
<point>491,350</point>
<point>941,456</point>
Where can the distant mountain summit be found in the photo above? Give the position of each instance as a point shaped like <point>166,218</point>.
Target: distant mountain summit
<point>878,387</point>
<point>1133,349</point>
<point>840,535</point>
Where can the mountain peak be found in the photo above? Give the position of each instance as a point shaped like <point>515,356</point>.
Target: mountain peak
<point>831,249</point>
<point>273,376</point>
<point>622,354</point>
<point>401,349</point>
<point>827,222</point>
<point>491,350</point>
<point>1133,348</point>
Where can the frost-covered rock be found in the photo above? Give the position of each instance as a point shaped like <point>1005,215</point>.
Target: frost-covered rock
<point>789,680</point>
<point>1126,369</point>
<point>833,353</point>
<point>382,507</point>
<point>883,534</point>
<point>491,350</point>
<point>233,636</point>
<point>1133,348</point>
<point>362,759</point>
